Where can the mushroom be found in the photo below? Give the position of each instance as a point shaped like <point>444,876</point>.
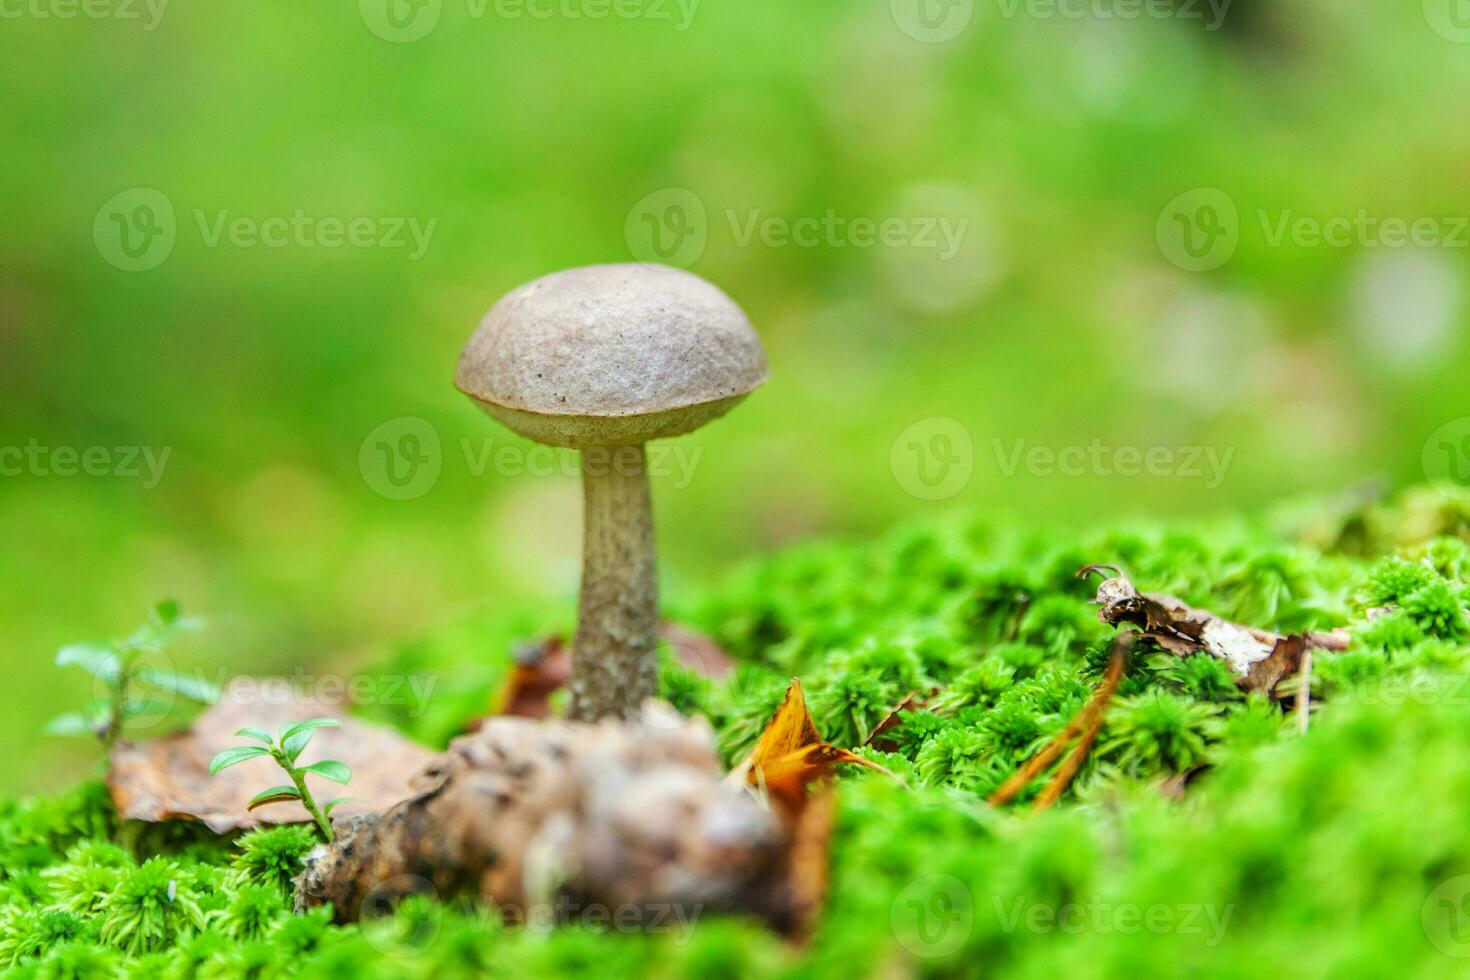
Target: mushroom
<point>603,359</point>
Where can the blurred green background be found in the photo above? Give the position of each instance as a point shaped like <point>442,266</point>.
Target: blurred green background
<point>1052,142</point>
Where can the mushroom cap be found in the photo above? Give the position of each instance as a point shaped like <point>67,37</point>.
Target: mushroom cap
<point>611,355</point>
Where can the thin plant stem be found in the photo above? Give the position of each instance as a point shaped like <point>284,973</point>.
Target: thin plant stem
<point>298,777</point>
<point>1304,693</point>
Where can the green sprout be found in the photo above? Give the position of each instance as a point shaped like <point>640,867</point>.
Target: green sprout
<point>285,750</point>
<point>127,686</point>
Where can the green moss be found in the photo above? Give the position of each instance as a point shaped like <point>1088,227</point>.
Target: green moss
<point>1157,732</point>
<point>1338,852</point>
<point>154,905</point>
<point>272,856</point>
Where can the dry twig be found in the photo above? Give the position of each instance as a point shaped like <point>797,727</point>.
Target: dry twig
<point>1087,723</point>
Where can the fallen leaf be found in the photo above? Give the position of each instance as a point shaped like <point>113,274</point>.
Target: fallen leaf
<point>697,652</point>
<point>791,728</point>
<point>1182,629</point>
<point>540,671</point>
<point>876,738</point>
<point>543,668</point>
<point>791,755</point>
<point>808,863</point>
<point>785,779</point>
<point>1176,785</point>
<point>1285,659</point>
<point>168,778</point>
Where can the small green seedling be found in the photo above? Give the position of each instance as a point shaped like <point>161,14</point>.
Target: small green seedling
<point>129,685</point>
<point>286,749</point>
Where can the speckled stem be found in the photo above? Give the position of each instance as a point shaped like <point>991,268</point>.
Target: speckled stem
<point>613,663</point>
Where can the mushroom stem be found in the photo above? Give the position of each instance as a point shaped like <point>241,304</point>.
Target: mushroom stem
<point>613,664</point>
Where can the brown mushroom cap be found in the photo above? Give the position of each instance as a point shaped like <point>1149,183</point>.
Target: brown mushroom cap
<point>611,355</point>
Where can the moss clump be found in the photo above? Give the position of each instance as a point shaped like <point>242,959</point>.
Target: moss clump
<point>272,857</point>
<point>1341,852</point>
<point>154,904</point>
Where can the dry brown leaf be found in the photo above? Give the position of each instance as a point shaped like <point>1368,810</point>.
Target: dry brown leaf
<point>541,670</point>
<point>168,778</point>
<point>791,755</point>
<point>1285,659</point>
<point>791,728</point>
<point>544,668</point>
<point>877,737</point>
<point>697,652</point>
<point>808,874</point>
<point>786,779</point>
<point>1175,787</point>
<point>1183,630</point>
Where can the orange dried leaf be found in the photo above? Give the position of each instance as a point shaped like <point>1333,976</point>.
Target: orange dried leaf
<point>791,754</point>
<point>787,778</point>
<point>807,863</point>
<point>791,728</point>
<point>540,671</point>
